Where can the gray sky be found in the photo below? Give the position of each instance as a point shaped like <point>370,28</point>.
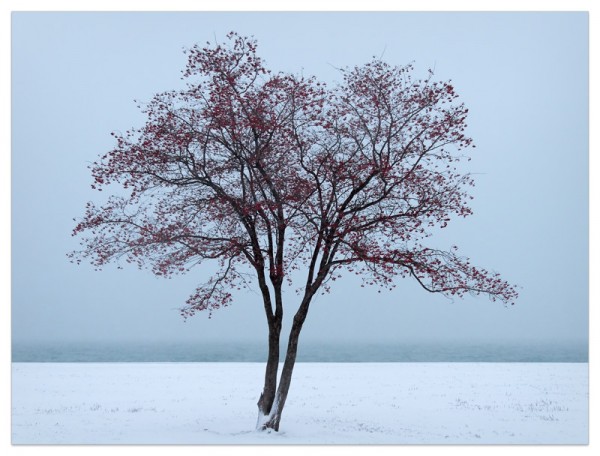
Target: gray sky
<point>524,77</point>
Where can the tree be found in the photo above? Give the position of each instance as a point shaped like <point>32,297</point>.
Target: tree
<point>270,173</point>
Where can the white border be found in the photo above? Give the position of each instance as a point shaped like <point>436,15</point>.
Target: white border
<point>7,6</point>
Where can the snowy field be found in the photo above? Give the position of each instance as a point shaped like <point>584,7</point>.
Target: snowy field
<point>343,403</point>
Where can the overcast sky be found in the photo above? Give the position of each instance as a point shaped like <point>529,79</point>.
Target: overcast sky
<point>523,76</point>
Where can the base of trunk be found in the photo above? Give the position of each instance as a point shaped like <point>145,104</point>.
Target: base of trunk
<point>269,422</point>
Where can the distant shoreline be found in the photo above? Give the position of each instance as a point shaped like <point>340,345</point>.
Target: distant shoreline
<point>576,352</point>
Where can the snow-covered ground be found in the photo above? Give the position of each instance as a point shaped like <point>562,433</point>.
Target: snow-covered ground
<point>349,403</point>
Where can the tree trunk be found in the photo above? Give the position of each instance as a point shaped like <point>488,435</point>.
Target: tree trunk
<point>272,419</point>
<point>267,397</point>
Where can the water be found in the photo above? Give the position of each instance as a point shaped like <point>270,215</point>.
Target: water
<point>307,352</point>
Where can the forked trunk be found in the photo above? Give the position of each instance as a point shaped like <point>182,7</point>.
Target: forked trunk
<point>271,420</point>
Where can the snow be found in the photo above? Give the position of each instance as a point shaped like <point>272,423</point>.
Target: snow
<point>344,403</point>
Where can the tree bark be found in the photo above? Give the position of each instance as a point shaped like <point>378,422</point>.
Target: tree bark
<point>274,417</point>
<point>265,402</point>
<point>267,397</point>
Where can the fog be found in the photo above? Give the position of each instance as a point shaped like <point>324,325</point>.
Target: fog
<point>523,76</point>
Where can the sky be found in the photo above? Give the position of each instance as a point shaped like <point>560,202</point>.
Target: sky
<point>523,76</point>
